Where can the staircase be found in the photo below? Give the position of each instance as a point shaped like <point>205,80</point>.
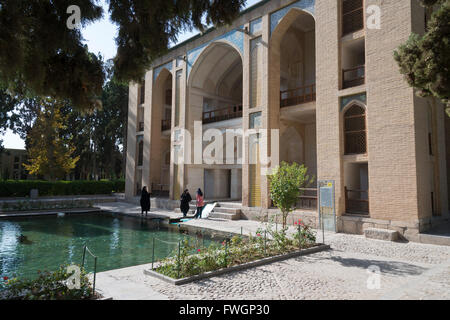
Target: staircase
<point>227,211</point>
<point>223,210</point>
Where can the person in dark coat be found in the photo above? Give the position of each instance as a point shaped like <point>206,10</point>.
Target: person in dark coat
<point>145,201</point>
<point>184,202</point>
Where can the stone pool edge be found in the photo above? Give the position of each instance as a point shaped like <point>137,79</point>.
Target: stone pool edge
<point>257,263</point>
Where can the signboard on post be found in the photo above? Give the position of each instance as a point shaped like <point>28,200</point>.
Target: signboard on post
<point>327,207</point>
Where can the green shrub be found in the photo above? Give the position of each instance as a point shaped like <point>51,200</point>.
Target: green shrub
<point>192,260</point>
<point>47,286</point>
<point>21,188</point>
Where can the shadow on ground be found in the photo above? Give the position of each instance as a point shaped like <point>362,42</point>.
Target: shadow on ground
<point>396,268</point>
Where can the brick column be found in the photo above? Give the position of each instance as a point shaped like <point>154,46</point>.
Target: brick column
<point>329,160</point>
<point>131,142</point>
<point>148,110</point>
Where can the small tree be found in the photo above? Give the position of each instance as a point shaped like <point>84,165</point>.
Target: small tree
<point>50,152</point>
<point>285,184</point>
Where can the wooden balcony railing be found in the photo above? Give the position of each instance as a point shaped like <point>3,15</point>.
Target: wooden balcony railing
<point>160,190</point>
<point>297,96</point>
<point>141,126</point>
<point>308,199</point>
<point>357,201</point>
<point>353,77</point>
<point>227,113</point>
<point>352,16</point>
<point>166,124</point>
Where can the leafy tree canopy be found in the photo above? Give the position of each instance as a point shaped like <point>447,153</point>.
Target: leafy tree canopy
<point>40,56</point>
<point>285,184</point>
<point>425,60</point>
<point>50,153</point>
<point>7,104</point>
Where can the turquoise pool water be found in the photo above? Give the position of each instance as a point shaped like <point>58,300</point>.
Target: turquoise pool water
<point>118,241</point>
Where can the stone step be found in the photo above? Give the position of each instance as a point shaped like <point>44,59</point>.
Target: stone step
<point>381,234</point>
<point>237,205</point>
<point>434,239</point>
<point>227,210</point>
<point>225,216</point>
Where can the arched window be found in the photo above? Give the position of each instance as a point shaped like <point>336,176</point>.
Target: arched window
<point>355,130</point>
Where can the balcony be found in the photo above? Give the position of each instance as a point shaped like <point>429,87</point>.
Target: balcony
<point>308,199</point>
<point>166,124</point>
<point>160,190</point>
<point>298,96</point>
<point>223,114</point>
<point>353,77</point>
<point>357,201</point>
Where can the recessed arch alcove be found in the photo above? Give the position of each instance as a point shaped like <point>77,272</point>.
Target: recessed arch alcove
<point>215,98</point>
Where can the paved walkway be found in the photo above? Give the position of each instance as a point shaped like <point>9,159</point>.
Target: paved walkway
<point>407,271</point>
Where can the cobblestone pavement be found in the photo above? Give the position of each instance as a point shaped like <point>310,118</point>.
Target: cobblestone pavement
<point>407,271</point>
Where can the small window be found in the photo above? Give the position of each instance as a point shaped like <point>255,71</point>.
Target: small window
<point>142,93</point>
<point>355,130</point>
<point>255,120</point>
<point>169,97</point>
<point>352,16</point>
<point>141,153</point>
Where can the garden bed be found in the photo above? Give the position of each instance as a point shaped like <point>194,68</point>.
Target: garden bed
<point>239,267</point>
<point>192,261</point>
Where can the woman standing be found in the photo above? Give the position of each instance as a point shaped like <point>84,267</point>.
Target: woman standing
<point>200,204</point>
<point>145,201</point>
<point>184,202</point>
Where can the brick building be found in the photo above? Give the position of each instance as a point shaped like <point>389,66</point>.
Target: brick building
<point>321,75</point>
<point>11,164</point>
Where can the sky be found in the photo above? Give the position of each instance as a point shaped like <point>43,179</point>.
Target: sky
<point>99,37</point>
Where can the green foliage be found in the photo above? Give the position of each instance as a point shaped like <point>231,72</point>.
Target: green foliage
<point>7,104</point>
<point>285,184</point>
<point>147,27</point>
<point>40,56</point>
<point>425,60</point>
<point>47,286</point>
<point>100,134</point>
<point>16,188</point>
<point>429,3</point>
<point>49,152</point>
<point>193,260</point>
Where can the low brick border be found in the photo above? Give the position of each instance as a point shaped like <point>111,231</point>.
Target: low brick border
<point>256,263</point>
<point>18,214</point>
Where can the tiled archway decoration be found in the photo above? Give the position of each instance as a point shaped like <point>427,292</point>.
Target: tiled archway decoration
<point>277,16</point>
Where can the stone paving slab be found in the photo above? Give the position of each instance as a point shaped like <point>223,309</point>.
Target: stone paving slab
<point>126,284</point>
<point>135,210</point>
<point>407,271</point>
